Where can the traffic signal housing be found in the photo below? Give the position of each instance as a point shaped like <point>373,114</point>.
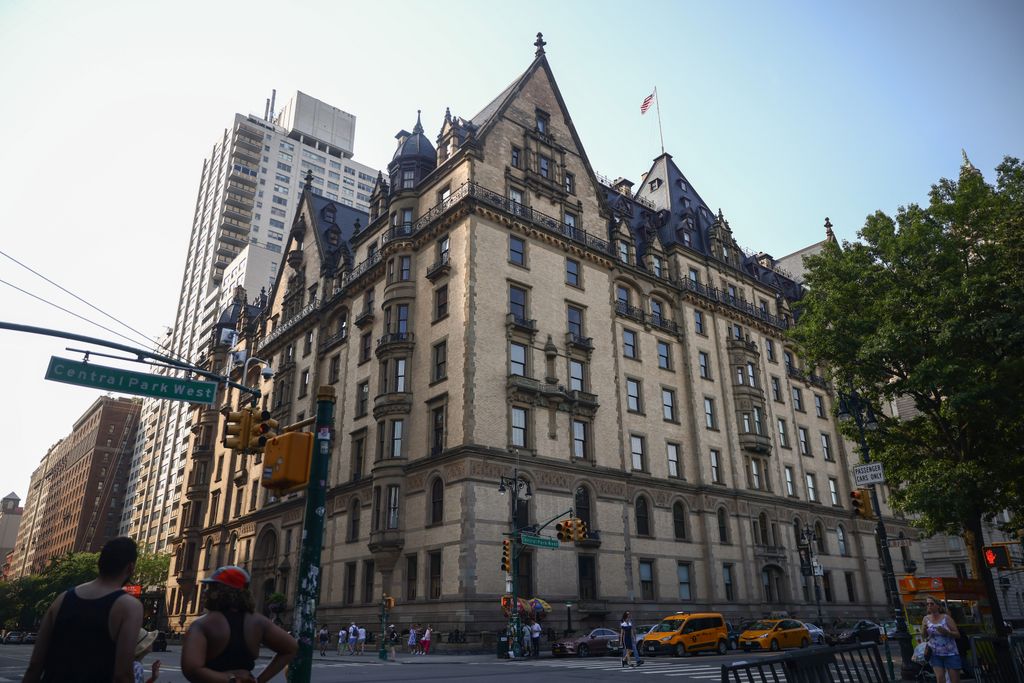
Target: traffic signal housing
<point>237,429</point>
<point>261,429</point>
<point>566,531</point>
<point>388,603</point>
<point>287,461</point>
<point>860,499</point>
<point>998,556</point>
<point>506,556</point>
<point>579,530</point>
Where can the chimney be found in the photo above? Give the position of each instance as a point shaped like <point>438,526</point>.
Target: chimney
<point>622,186</point>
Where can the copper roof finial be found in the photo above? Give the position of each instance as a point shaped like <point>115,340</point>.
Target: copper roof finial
<point>829,235</point>
<point>539,44</point>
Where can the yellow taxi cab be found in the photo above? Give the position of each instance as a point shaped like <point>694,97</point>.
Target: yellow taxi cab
<point>775,634</point>
<point>683,633</point>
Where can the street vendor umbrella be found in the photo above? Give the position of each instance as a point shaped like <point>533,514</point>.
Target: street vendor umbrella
<point>524,606</point>
<point>539,606</point>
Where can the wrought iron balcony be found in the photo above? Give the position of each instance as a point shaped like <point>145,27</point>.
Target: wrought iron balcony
<point>441,267</point>
<point>626,311</point>
<point>516,322</point>
<point>816,380</point>
<point>395,340</point>
<point>664,323</point>
<point>398,232</point>
<point>364,318</point>
<point>579,342</point>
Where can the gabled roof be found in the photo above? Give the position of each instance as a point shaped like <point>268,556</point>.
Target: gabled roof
<point>484,116</point>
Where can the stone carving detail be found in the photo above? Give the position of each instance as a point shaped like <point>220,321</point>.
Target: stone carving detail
<point>610,488</point>
<point>247,529</point>
<point>455,470</point>
<point>416,482</point>
<point>486,469</point>
<point>553,479</point>
<point>293,515</point>
<point>661,498</point>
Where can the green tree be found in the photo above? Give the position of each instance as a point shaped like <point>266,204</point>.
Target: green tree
<point>930,305</point>
<point>151,569</point>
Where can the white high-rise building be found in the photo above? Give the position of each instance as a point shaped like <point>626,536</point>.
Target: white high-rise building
<point>250,186</point>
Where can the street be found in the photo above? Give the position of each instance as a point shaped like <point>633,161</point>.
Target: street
<point>14,659</point>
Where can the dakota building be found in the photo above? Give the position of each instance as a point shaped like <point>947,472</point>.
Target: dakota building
<point>503,305</point>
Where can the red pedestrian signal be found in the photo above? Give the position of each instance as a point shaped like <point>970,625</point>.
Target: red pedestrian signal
<point>997,557</point>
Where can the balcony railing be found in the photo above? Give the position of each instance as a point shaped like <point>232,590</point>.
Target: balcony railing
<point>579,341</point>
<point>395,338</point>
<point>627,311</point>
<point>441,267</point>
<point>290,323</point>
<point>664,323</point>
<point>365,316</point>
<point>528,325</point>
<point>816,380</point>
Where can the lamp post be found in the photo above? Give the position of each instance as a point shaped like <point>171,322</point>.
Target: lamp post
<point>809,539</point>
<point>853,407</point>
<point>520,490</point>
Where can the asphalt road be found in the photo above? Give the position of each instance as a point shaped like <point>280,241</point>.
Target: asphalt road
<point>439,668</point>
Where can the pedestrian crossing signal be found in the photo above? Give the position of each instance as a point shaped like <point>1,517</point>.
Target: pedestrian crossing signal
<point>506,556</point>
<point>998,557</point>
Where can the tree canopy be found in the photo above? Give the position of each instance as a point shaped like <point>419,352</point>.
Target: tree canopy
<point>929,305</point>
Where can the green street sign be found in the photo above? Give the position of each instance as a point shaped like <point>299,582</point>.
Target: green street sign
<point>539,541</point>
<point>128,382</point>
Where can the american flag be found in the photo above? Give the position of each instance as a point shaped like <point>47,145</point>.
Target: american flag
<point>646,103</point>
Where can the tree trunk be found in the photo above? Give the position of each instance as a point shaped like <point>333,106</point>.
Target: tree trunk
<point>975,539</point>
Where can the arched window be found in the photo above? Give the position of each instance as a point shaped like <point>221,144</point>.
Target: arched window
<point>679,521</point>
<point>819,532</point>
<point>353,520</point>
<point>643,518</point>
<point>342,328</point>
<point>208,553</point>
<point>233,549</point>
<point>841,539</point>
<point>437,501</point>
<point>797,530</point>
<point>723,525</point>
<point>763,524</point>
<point>581,506</point>
<point>622,295</point>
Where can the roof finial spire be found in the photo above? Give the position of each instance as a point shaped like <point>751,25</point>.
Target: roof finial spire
<point>539,44</point>
<point>418,128</point>
<point>829,235</point>
<point>309,179</point>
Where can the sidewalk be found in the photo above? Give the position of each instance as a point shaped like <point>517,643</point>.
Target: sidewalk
<point>369,657</point>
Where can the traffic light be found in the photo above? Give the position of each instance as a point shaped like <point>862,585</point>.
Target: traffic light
<point>861,501</point>
<point>287,461</point>
<point>388,602</point>
<point>506,556</point>
<point>579,530</point>
<point>566,530</point>
<point>998,556</point>
<point>260,429</point>
<point>237,429</point>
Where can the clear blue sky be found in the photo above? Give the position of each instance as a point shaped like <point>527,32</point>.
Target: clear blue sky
<point>779,113</point>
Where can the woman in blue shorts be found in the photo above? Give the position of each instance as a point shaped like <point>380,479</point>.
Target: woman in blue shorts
<point>942,633</point>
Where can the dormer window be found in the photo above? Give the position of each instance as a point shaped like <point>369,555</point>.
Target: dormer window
<point>623,251</point>
<point>408,179</point>
<point>544,167</point>
<point>655,184</point>
<point>725,252</point>
<point>542,122</point>
<point>687,239</point>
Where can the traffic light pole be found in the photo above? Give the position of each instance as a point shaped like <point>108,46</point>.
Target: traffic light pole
<point>308,593</point>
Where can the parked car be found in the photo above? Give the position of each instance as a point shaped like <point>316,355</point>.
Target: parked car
<point>596,642</point>
<point>13,637</point>
<point>775,634</point>
<point>682,634</point>
<point>889,628</point>
<point>817,635</point>
<point>615,647</point>
<point>734,635</point>
<point>862,631</point>
<point>29,639</point>
<point>160,644</point>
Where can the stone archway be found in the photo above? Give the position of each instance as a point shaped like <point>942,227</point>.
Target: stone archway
<point>264,567</point>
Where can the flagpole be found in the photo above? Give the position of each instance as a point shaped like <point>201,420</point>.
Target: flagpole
<point>657,105</point>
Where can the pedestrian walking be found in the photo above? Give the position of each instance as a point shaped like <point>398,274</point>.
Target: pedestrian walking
<point>353,636</point>
<point>535,631</point>
<point>342,639</point>
<point>228,638</point>
<point>89,633</point>
<point>425,640</point>
<point>627,638</point>
<point>391,637</point>
<point>412,639</point>
<point>360,639</point>
<point>942,632</point>
<point>142,648</point>
<point>325,639</point>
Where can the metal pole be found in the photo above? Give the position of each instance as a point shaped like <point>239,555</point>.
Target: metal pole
<point>516,645</point>
<point>308,593</point>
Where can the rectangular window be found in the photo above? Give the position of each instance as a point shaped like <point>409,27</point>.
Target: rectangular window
<point>683,578</point>
<point>304,383</point>
<point>672,450</point>
<point>709,413</point>
<point>851,591</point>
<point>812,488</point>
<point>790,486</point>
<point>751,375</point>
<point>397,433</point>
<point>783,436</point>
<point>437,420</point>
<point>334,369</point>
<point>398,378</point>
<point>570,183</point>
<point>576,376</point>
<point>668,405</point>
<point>408,179</point>
<point>365,346</point>
<point>698,322</point>
<point>694,275</point>
<point>636,447</point>
<point>574,317</point>
<point>776,390</point>
<point>441,302</point>
<point>727,581</point>
<point>440,370</point>
<point>758,421</point>
<point>350,583</point>
<point>716,466</point>
<point>579,439</point>
<point>769,346</point>
<point>629,349</point>
<point>646,580</point>
<point>358,455</point>
<point>623,252</point>
<point>517,359</point>
<point>826,446</point>
<point>517,303</point>
<point>572,272</point>
<point>435,575</point>
<point>519,427</point>
<point>755,473</point>
<point>411,571</point>
<point>515,158</point>
<point>664,355</point>
<point>798,399</point>
<point>833,490</point>
<point>819,405</point>
<point>544,167</point>
<point>633,396</point>
<point>826,585</point>
<point>805,446</point>
<point>704,362</point>
<point>362,398</point>
<point>405,268</point>
<point>392,513</point>
<point>516,250</point>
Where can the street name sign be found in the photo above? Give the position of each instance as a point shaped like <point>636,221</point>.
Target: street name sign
<point>898,542</point>
<point>128,382</point>
<point>871,473</point>
<point>539,541</point>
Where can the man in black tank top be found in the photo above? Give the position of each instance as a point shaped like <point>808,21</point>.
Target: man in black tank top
<point>228,637</point>
<point>89,633</point>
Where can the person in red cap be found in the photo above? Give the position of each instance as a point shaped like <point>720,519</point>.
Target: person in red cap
<point>222,645</point>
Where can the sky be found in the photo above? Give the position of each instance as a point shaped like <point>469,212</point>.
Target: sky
<point>779,113</point>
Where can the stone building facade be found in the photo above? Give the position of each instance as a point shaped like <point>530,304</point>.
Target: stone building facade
<point>504,307</point>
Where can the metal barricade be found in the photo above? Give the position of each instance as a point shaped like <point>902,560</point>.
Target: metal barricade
<point>860,663</point>
<point>997,660</point>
